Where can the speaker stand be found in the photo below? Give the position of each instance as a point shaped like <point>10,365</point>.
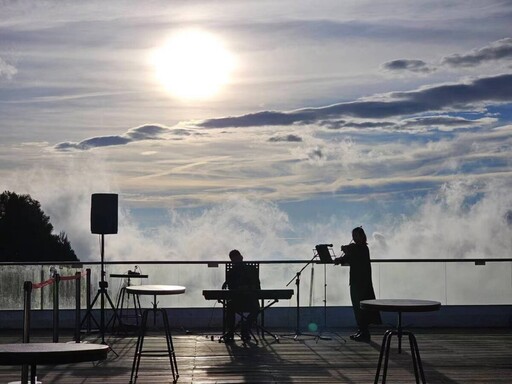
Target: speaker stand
<point>102,294</point>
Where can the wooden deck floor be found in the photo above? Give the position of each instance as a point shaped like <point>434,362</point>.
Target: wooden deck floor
<point>449,356</point>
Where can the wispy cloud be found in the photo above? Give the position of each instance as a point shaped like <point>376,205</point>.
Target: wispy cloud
<point>455,96</point>
<point>360,114</point>
<point>285,138</point>
<point>7,71</point>
<point>141,133</point>
<point>498,50</point>
<point>417,66</point>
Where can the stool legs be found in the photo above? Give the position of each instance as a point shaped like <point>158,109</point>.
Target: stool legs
<point>140,343</point>
<point>384,354</point>
<point>170,346</point>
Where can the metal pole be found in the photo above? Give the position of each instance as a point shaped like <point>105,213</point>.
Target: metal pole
<point>102,289</point>
<point>78,281</point>
<point>88,296</point>
<point>27,288</point>
<point>27,297</point>
<point>41,277</point>
<point>56,308</point>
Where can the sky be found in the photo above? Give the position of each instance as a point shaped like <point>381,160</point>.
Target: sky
<point>267,126</point>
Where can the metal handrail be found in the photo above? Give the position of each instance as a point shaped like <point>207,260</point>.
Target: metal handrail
<point>206,262</point>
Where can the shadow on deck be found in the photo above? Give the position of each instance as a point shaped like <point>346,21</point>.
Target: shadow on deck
<point>449,356</point>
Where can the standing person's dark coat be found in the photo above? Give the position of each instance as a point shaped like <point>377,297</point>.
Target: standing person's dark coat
<point>357,256</point>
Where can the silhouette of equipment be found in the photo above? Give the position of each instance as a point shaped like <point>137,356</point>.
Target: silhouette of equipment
<point>103,221</point>
<point>124,296</point>
<point>324,254</point>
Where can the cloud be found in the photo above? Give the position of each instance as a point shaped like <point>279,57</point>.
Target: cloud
<point>141,133</point>
<point>463,219</point>
<point>7,71</point>
<point>455,96</point>
<point>362,113</point>
<point>495,51</point>
<point>498,50</point>
<point>416,66</point>
<point>286,138</point>
<point>338,124</point>
<point>445,122</point>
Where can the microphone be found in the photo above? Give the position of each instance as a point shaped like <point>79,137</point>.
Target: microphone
<point>324,245</point>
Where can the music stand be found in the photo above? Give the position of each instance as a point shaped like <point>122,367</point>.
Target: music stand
<point>326,255</point>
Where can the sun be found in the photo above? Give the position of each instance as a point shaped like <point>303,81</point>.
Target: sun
<point>193,65</point>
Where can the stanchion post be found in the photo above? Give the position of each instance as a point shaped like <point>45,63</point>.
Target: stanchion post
<point>88,296</point>
<point>27,299</point>
<point>56,308</point>
<point>78,280</point>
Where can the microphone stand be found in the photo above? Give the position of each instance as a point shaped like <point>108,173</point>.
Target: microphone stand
<point>296,278</point>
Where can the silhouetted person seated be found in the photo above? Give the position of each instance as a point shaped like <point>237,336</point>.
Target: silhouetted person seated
<point>241,277</point>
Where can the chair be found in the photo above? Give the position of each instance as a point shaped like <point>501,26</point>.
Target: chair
<point>242,277</point>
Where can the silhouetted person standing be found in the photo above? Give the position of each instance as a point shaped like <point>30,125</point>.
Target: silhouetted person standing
<point>357,256</point>
<point>241,277</point>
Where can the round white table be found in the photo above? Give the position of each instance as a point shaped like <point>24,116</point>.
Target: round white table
<point>34,354</point>
<point>400,306</point>
<point>154,290</point>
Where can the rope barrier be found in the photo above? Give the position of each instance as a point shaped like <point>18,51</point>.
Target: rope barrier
<point>28,287</point>
<point>62,278</point>
<point>43,284</point>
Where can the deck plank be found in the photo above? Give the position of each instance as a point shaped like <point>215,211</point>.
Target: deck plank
<point>449,356</point>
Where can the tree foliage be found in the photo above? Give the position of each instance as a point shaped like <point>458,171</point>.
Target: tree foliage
<point>26,232</point>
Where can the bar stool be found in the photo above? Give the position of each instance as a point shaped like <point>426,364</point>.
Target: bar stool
<point>154,290</point>
<point>399,306</point>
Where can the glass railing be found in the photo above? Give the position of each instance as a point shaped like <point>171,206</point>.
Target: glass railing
<point>452,282</point>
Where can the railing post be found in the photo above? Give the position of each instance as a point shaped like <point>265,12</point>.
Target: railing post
<point>56,308</point>
<point>27,298</point>
<point>41,278</point>
<point>88,297</point>
<point>27,302</point>
<point>78,281</point>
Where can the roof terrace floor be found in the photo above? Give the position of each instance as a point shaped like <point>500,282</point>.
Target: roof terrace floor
<point>457,355</point>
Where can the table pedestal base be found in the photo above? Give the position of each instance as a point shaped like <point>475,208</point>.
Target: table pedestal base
<point>140,342</point>
<point>384,353</point>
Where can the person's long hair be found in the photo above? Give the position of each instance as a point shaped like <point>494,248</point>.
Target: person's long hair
<point>359,236</point>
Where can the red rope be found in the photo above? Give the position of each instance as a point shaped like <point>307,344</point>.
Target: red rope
<point>43,284</point>
<point>62,278</point>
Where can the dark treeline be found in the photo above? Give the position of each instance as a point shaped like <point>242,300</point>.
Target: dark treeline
<point>26,232</point>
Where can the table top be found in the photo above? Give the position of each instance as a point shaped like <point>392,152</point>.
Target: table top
<point>51,353</point>
<point>156,289</point>
<point>401,305</point>
<point>128,275</point>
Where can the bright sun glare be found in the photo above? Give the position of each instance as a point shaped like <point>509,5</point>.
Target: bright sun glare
<point>193,65</point>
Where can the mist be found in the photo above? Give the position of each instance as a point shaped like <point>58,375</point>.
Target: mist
<point>462,219</point>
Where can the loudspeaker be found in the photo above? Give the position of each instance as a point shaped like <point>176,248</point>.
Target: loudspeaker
<point>104,213</point>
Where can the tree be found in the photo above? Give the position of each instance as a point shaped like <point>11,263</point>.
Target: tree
<point>26,232</point>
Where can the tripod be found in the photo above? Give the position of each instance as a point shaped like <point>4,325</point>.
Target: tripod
<point>102,293</point>
<point>297,283</point>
